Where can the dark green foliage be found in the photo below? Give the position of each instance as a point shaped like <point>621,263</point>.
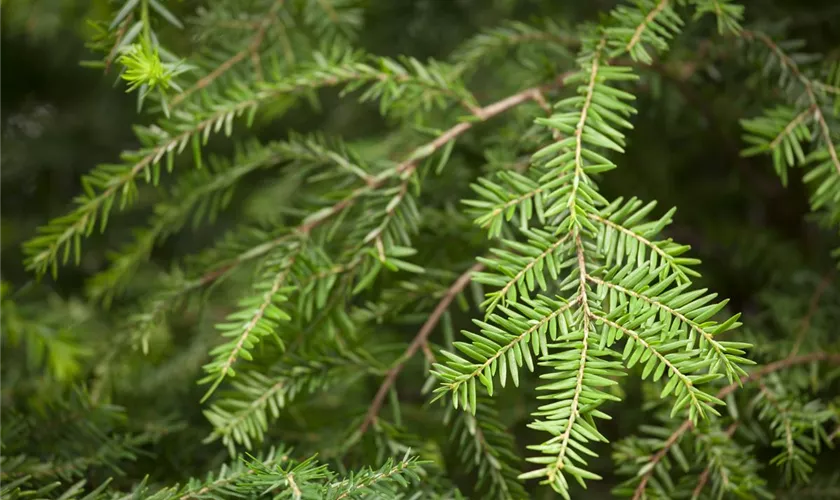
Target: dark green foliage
<point>412,249</point>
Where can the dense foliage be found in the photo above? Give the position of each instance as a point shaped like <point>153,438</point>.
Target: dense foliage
<point>412,249</point>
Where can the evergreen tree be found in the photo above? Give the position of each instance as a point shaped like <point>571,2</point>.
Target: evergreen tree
<point>431,268</point>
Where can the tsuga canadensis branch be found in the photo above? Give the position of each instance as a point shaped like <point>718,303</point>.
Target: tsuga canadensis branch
<point>574,412</point>
<point>637,35</point>
<point>578,133</point>
<point>588,123</point>
<point>276,285</point>
<point>807,84</point>
<point>729,389</point>
<point>403,169</point>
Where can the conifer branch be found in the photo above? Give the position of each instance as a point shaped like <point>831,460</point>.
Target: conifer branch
<point>808,85</point>
<point>67,231</point>
<point>511,344</point>
<point>264,308</point>
<point>244,416</point>
<point>579,128</point>
<point>790,127</point>
<point>640,29</point>
<point>671,368</point>
<point>405,168</point>
<point>370,481</point>
<point>680,270</point>
<point>784,413</point>
<point>43,250</point>
<point>481,48</point>
<point>485,446</point>
<point>588,287</point>
<point>747,379</point>
<point>645,22</point>
<point>208,188</point>
<point>487,450</point>
<point>720,350</point>
<point>227,477</point>
<point>572,198</point>
<point>528,268</point>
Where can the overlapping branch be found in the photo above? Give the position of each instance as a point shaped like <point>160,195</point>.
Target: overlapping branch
<point>753,376</point>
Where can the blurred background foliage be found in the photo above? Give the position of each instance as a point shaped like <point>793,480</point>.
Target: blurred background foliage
<point>758,245</point>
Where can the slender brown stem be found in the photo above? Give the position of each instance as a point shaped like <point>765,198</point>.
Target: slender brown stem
<point>404,168</point>
<point>790,127</point>
<point>640,29</point>
<point>729,389</point>
<point>813,305</point>
<point>112,54</point>
<point>251,50</point>
<point>419,341</point>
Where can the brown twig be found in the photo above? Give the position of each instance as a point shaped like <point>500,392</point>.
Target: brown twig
<point>790,127</point>
<point>120,34</point>
<point>813,305</point>
<point>419,341</point>
<point>251,50</point>
<point>729,389</point>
